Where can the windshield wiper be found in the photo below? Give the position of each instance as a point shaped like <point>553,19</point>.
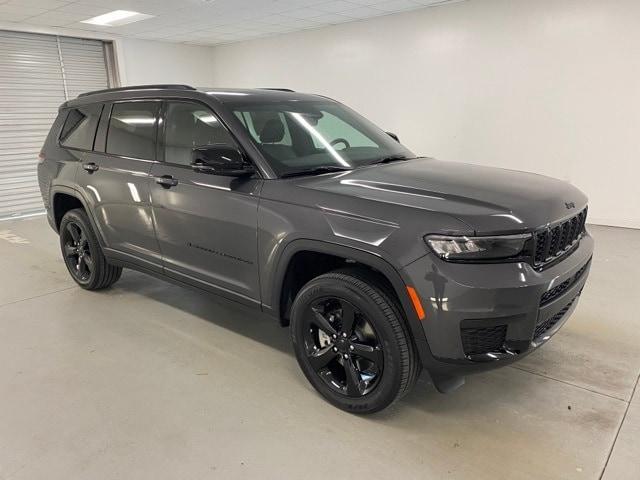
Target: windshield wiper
<point>390,158</point>
<point>315,171</point>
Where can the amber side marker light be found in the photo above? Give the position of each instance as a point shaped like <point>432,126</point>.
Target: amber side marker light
<point>416,302</point>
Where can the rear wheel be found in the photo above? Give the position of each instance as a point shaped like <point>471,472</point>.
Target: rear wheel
<point>82,253</point>
<point>351,341</point>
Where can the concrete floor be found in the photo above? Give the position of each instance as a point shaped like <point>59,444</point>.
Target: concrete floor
<point>148,380</point>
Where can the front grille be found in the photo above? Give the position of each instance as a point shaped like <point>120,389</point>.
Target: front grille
<point>554,241</point>
<point>543,327</point>
<point>559,289</point>
<point>483,340</point>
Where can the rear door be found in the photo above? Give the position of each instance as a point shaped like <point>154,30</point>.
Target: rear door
<point>206,224</point>
<point>115,178</point>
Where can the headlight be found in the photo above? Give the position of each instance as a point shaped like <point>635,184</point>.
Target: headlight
<point>477,248</point>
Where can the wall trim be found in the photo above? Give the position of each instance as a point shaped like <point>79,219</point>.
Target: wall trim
<point>633,223</point>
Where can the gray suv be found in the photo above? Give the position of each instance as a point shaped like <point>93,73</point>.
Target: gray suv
<point>381,262</point>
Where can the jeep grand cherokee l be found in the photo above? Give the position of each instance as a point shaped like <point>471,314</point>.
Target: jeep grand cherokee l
<point>381,262</point>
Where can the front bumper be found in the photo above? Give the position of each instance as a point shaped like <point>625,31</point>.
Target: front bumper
<point>481,316</point>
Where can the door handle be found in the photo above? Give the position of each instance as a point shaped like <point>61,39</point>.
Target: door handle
<point>167,181</point>
<point>90,167</point>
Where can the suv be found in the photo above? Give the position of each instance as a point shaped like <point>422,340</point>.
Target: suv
<point>381,262</point>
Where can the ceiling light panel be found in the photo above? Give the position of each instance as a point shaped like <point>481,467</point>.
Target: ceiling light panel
<point>117,18</point>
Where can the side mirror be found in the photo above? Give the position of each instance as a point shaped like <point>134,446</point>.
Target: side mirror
<point>220,159</point>
<point>394,136</point>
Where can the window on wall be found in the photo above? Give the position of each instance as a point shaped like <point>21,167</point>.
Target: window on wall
<point>132,130</point>
<point>79,130</point>
<point>190,125</point>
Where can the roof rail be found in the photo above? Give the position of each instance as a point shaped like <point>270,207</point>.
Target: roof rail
<point>277,89</point>
<point>140,87</point>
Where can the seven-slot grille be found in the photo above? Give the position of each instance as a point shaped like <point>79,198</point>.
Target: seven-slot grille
<point>555,241</point>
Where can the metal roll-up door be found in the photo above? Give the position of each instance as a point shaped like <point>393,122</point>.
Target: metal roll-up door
<point>31,90</point>
<point>84,65</point>
<point>37,74</point>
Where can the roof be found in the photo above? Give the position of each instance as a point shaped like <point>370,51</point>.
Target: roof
<point>221,95</point>
<point>139,87</point>
<point>249,95</point>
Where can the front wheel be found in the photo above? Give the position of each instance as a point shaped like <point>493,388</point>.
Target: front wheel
<point>351,341</point>
<point>82,253</point>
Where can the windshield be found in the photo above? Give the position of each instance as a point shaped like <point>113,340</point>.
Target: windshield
<point>318,136</point>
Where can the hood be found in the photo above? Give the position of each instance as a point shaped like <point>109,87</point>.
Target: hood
<point>489,200</point>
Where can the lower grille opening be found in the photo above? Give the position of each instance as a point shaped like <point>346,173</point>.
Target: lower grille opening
<point>546,325</point>
<point>477,341</point>
<point>558,290</point>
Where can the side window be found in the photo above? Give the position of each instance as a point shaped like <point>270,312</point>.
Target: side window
<point>189,125</point>
<point>79,130</point>
<point>132,129</point>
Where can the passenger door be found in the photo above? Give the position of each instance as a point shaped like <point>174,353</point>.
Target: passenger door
<point>115,178</point>
<point>206,224</point>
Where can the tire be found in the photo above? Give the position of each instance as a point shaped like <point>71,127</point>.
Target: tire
<point>384,374</point>
<point>82,253</point>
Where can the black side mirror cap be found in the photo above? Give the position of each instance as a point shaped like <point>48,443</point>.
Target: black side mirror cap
<point>218,159</point>
<point>394,136</point>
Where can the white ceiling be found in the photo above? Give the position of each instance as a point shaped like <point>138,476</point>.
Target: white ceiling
<point>204,22</point>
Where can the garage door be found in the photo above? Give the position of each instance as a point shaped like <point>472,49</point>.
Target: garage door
<point>37,74</point>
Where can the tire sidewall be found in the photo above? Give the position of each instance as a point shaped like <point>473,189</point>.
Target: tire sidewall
<point>387,389</point>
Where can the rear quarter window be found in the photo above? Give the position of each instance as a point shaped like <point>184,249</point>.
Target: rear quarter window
<point>79,129</point>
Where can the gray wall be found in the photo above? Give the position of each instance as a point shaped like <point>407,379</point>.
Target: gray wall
<point>148,62</point>
<point>549,86</point>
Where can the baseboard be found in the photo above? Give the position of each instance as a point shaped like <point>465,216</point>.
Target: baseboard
<point>618,222</point>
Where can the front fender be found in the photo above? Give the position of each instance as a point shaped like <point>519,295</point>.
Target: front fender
<point>374,260</point>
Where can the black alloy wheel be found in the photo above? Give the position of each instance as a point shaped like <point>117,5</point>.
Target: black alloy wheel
<point>77,254</point>
<point>82,253</point>
<point>342,346</point>
<point>351,341</point>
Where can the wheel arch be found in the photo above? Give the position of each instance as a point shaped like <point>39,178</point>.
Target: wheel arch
<point>349,255</point>
<point>64,199</point>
